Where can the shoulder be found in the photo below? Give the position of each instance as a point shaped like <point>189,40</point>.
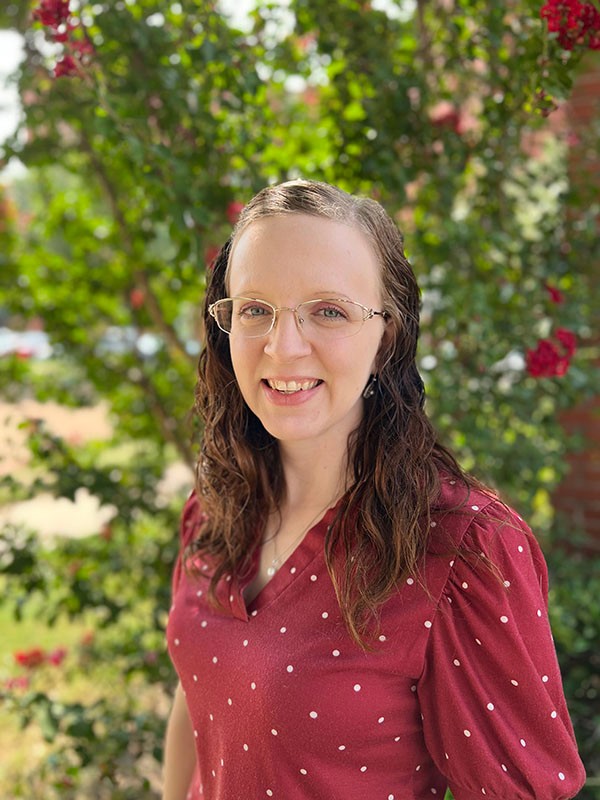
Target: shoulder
<point>192,518</point>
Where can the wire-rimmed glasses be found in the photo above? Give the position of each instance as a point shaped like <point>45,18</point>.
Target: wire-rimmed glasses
<point>332,317</point>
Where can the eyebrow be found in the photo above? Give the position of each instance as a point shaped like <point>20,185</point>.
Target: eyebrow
<point>325,294</point>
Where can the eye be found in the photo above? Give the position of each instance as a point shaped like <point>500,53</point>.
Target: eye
<point>251,311</point>
<point>327,311</point>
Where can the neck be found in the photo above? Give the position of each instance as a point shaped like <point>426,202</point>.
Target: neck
<point>313,479</point>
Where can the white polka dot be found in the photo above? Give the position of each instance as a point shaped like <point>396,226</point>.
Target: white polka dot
<point>539,612</point>
<point>269,793</point>
<point>380,720</point>
<point>357,687</point>
<point>335,653</point>
<point>490,706</point>
<point>504,767</point>
<point>245,642</point>
<point>447,756</point>
<point>177,641</point>
<point>410,581</point>
<point>561,776</point>
<point>222,763</point>
<point>229,701</point>
<point>210,716</point>
<point>433,791</point>
<point>433,524</point>
<point>482,790</point>
<point>196,734</point>
<point>467,733</point>
<point>514,682</point>
<point>465,585</point>
<point>452,563</point>
<point>313,578</point>
<point>283,629</point>
<point>199,593</point>
<point>520,548</point>
<point>203,624</point>
<point>554,715</point>
<point>478,642</point>
<point>313,714</point>
<point>523,742</point>
<point>390,797</point>
<point>273,731</point>
<point>363,769</point>
<point>195,677</point>
<point>254,613</point>
<point>231,598</point>
<point>417,768</point>
<point>303,771</point>
<point>475,508</point>
<point>396,738</point>
<point>293,570</point>
<point>324,615</point>
<point>456,662</point>
<point>253,686</point>
<point>245,746</point>
<point>290,668</point>
<point>427,623</point>
<point>507,584</point>
<point>214,659</point>
<point>342,747</point>
<point>383,638</point>
<point>504,619</point>
<point>544,679</point>
<point>413,688</point>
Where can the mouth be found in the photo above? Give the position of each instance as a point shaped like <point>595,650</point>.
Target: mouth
<point>291,387</point>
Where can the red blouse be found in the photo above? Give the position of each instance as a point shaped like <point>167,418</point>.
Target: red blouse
<point>463,689</point>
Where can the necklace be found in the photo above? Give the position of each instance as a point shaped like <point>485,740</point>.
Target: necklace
<point>279,559</point>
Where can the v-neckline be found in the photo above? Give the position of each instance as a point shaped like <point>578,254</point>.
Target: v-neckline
<point>297,561</point>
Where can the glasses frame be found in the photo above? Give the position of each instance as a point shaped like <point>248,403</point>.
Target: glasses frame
<point>368,313</point>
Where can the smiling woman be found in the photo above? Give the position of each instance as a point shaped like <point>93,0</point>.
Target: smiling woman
<point>353,615</point>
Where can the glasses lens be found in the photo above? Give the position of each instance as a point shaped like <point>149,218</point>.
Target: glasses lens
<point>333,319</point>
<point>243,316</point>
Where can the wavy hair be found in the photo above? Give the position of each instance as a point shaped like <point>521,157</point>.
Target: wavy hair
<point>380,533</point>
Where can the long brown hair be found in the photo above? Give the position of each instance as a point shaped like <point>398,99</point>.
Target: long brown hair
<point>380,533</point>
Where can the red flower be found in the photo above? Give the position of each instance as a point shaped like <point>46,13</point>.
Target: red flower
<point>234,209</point>
<point>567,339</point>
<point>65,68</point>
<point>57,656</point>
<point>52,13</point>
<point>549,360</point>
<point>574,22</point>
<point>30,658</point>
<point>556,296</point>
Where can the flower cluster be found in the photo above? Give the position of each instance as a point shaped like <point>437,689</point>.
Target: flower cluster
<point>61,27</point>
<point>551,357</point>
<point>576,23</point>
<point>36,656</point>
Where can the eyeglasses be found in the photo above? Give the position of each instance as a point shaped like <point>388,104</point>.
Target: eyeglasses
<point>331,318</point>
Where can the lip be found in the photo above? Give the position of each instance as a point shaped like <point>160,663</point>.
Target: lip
<point>295,399</point>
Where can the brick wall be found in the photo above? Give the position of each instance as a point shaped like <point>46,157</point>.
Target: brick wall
<point>578,497</point>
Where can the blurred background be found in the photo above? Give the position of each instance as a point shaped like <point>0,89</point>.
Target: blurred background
<point>132,133</point>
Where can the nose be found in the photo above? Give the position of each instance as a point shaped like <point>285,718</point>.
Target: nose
<point>286,341</point>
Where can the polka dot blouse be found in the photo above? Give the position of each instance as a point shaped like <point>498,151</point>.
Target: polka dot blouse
<point>463,689</point>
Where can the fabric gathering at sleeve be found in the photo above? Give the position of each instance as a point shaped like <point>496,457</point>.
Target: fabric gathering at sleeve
<point>494,715</point>
<point>190,519</point>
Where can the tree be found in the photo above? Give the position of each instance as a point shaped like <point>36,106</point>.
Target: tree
<point>146,127</point>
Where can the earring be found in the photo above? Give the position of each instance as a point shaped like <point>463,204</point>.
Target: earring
<point>370,388</point>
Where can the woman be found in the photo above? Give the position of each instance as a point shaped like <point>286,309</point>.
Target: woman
<point>353,617</point>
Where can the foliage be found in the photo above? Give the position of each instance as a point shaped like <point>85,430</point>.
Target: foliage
<point>139,155</point>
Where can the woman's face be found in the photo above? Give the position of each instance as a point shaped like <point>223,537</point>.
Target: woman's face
<point>286,260</point>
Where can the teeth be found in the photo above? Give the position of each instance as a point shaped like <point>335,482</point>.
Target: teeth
<point>292,386</point>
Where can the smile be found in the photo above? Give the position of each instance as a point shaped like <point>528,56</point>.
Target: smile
<point>291,387</point>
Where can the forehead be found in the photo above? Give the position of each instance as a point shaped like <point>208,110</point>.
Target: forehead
<point>301,254</point>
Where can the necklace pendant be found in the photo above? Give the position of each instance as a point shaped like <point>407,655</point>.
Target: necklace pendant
<point>271,571</point>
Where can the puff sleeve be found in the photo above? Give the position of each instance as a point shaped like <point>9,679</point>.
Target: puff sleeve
<point>494,715</point>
